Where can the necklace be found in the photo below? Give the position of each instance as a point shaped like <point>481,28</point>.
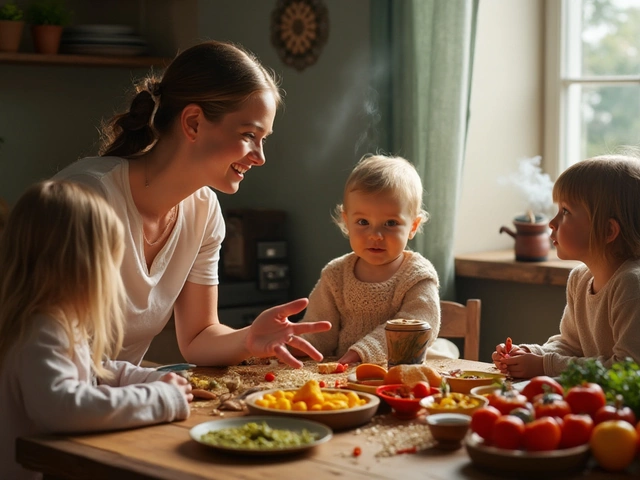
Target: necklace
<point>164,231</point>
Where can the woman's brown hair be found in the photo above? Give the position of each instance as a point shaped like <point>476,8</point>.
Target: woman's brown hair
<point>217,76</point>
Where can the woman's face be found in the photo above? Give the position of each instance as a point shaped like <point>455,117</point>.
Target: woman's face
<point>227,149</point>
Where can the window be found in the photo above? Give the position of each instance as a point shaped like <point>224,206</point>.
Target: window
<point>592,88</point>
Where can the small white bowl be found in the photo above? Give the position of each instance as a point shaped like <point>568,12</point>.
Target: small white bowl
<point>484,390</point>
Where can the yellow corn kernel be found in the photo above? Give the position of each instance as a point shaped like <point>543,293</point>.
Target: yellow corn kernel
<point>299,407</point>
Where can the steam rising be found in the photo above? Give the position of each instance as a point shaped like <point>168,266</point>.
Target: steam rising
<point>534,186</point>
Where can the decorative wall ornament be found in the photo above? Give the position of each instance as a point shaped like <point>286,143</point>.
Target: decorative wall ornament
<point>299,31</point>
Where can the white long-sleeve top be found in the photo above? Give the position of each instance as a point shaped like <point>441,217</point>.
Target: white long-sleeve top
<point>601,325</point>
<point>44,391</point>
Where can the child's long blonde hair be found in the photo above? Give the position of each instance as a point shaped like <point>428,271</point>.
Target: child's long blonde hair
<point>60,256</point>
<point>385,174</point>
<point>608,187</point>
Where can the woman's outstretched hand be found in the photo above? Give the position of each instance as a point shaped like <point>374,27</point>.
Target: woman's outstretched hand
<point>272,331</point>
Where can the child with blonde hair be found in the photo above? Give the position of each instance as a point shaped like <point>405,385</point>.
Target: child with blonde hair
<point>61,298</point>
<point>598,223</point>
<point>381,279</point>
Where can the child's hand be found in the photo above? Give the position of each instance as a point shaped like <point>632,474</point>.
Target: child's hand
<point>521,364</point>
<point>350,358</point>
<point>180,383</point>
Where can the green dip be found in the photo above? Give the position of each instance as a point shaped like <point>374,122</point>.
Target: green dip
<point>258,437</point>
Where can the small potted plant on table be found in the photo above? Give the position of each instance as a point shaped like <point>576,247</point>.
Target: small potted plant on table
<point>11,26</point>
<point>47,19</point>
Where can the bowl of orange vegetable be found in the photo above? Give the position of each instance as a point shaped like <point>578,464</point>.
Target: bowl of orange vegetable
<point>337,408</point>
<point>454,402</point>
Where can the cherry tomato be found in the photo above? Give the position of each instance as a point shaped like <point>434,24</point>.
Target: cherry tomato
<point>270,377</point>
<point>536,386</point>
<point>507,399</point>
<point>586,398</point>
<point>483,421</point>
<point>508,432</point>
<point>322,384</point>
<point>550,405</point>
<point>421,389</point>
<point>357,451</point>
<point>542,434</point>
<point>576,430</point>
<point>617,411</point>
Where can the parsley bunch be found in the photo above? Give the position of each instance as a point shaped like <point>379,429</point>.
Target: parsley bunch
<point>623,378</point>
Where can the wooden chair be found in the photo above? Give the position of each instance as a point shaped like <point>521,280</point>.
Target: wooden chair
<point>462,321</point>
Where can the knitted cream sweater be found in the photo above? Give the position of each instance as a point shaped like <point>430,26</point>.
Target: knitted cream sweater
<point>359,310</point>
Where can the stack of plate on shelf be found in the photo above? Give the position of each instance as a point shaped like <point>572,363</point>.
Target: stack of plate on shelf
<point>102,40</point>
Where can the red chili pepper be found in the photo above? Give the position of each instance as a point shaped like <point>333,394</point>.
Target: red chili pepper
<point>357,451</point>
<point>407,450</point>
<point>270,377</point>
<point>322,383</point>
<point>508,345</point>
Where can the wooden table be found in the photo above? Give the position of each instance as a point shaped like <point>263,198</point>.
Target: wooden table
<point>167,452</point>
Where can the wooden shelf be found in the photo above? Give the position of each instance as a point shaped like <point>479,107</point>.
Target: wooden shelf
<point>501,265</point>
<point>83,60</point>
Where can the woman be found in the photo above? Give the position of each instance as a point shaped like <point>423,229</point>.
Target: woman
<point>203,124</point>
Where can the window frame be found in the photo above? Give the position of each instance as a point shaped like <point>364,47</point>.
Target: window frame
<point>562,106</point>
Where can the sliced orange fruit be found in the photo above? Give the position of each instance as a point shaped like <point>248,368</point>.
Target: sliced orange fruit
<point>370,371</point>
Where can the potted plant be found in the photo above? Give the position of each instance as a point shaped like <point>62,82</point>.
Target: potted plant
<point>11,26</point>
<point>47,19</point>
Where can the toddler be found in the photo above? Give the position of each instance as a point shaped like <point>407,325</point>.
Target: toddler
<point>380,280</point>
<point>61,299</point>
<point>598,223</point>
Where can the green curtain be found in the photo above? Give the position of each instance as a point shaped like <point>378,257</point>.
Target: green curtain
<point>422,57</point>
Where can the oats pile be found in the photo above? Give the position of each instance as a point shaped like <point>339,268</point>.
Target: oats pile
<point>393,438</point>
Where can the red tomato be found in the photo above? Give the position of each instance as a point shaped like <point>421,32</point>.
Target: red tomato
<point>507,399</point>
<point>617,411</point>
<point>508,432</point>
<point>576,430</point>
<point>340,368</point>
<point>483,421</point>
<point>541,435</point>
<point>421,389</point>
<point>550,405</point>
<point>586,398</point>
<point>539,385</point>
<point>322,383</point>
<point>270,377</point>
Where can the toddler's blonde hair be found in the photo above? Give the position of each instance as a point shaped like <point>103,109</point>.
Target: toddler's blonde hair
<point>608,187</point>
<point>60,256</point>
<point>385,174</point>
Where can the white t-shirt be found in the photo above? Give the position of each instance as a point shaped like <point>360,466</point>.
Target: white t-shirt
<point>192,250</point>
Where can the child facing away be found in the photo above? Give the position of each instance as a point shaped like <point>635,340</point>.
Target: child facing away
<point>380,280</point>
<point>61,298</point>
<point>598,223</point>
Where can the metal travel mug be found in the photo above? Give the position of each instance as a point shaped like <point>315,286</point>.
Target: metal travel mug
<point>407,341</point>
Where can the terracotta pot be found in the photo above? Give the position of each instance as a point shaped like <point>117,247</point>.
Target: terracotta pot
<point>10,35</point>
<point>46,38</point>
<point>532,239</point>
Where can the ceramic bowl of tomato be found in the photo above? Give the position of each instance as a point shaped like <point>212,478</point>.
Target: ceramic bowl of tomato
<point>448,429</point>
<point>462,381</point>
<point>454,402</point>
<point>404,399</point>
